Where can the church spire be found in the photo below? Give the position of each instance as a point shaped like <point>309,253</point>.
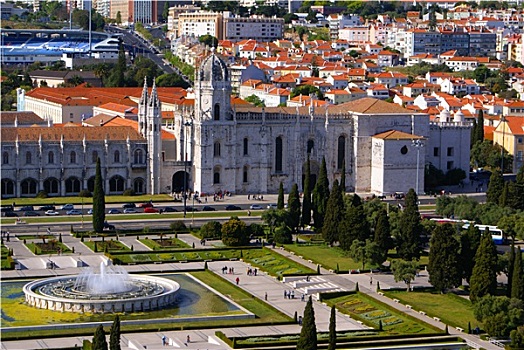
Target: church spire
<point>153,99</point>
<point>143,98</point>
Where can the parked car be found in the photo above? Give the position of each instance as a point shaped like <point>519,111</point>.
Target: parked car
<point>114,211</point>
<point>31,213</point>
<point>68,207</point>
<point>129,211</point>
<point>108,226</point>
<point>52,213</point>
<point>168,210</point>
<point>146,205</point>
<point>27,208</point>
<point>208,208</point>
<point>272,206</point>
<point>90,212</point>
<point>190,209</point>
<point>10,214</point>
<point>256,207</point>
<point>47,207</point>
<point>128,205</point>
<point>74,212</point>
<point>233,207</point>
<point>151,210</point>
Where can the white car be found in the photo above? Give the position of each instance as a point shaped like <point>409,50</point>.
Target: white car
<point>130,211</point>
<point>68,207</point>
<point>272,206</point>
<point>256,207</point>
<point>51,213</point>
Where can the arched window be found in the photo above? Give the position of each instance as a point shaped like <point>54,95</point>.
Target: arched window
<point>310,146</point>
<point>91,184</point>
<point>216,149</point>
<point>117,157</point>
<point>51,158</point>
<point>28,186</point>
<point>216,112</point>
<point>72,185</point>
<point>139,186</point>
<point>5,158</point>
<point>216,176</point>
<point>117,184</point>
<point>8,187</point>
<point>341,153</point>
<point>278,155</point>
<point>139,156</point>
<point>72,157</point>
<point>51,186</point>
<point>94,156</point>
<point>28,158</point>
<point>246,147</point>
<point>245,174</point>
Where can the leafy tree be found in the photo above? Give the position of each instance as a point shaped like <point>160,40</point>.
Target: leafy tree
<point>289,17</point>
<point>312,17</point>
<point>171,80</point>
<point>517,338</point>
<point>383,234</point>
<point>254,99</point>
<point>235,233</point>
<point>280,200</point>
<point>517,285</point>
<point>408,237</point>
<point>334,211</point>
<point>484,276</point>
<point>404,271</point>
<point>495,187</point>
<point>211,229</point>
<point>308,334</point>
<point>510,267</point>
<point>499,315</point>
<point>208,40</point>
<point>117,77</point>
<point>293,203</point>
<point>114,334</point>
<point>332,345</point>
<point>320,196</point>
<point>256,230</point>
<point>355,225</point>
<point>99,339</point>
<point>165,11</point>
<point>99,201</point>
<point>306,90</point>
<point>275,218</point>
<point>366,252</point>
<point>469,243</point>
<point>479,137</point>
<point>473,136</point>
<point>444,261</point>
<point>118,18</point>
<point>283,234</point>
<point>306,197</point>
<point>487,154</point>
<point>343,178</point>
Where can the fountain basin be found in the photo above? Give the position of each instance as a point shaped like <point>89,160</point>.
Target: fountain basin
<point>144,293</point>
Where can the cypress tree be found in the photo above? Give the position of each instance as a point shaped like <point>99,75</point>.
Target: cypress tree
<point>511,267</point>
<point>469,243</point>
<point>293,204</point>
<point>332,330</point>
<point>503,200</point>
<point>355,225</point>
<point>473,137</point>
<point>99,339</point>
<point>383,233</point>
<point>114,334</point>
<point>99,204</point>
<point>320,196</point>
<point>517,287</point>
<point>495,187</point>
<point>484,276</point>
<point>334,211</point>
<point>343,178</point>
<point>306,200</point>
<point>308,334</point>
<point>117,78</point>
<point>444,262</point>
<point>280,201</point>
<point>519,190</point>
<point>480,126</point>
<point>410,228</point>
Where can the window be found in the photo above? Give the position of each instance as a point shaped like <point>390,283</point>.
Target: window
<point>436,152</point>
<point>216,176</point>
<point>72,185</point>
<point>216,112</point>
<point>94,156</point>
<point>278,155</point>
<point>519,156</point>
<point>216,149</point>
<point>28,186</point>
<point>341,152</point>
<point>116,184</point>
<point>450,152</point>
<point>138,186</point>
<point>310,145</point>
<point>450,165</point>
<point>5,158</point>
<point>51,158</point>
<point>519,140</point>
<point>117,157</point>
<point>139,156</point>
<point>51,186</point>
<point>28,159</point>
<point>8,187</point>
<point>72,157</point>
<point>244,174</point>
<point>246,149</point>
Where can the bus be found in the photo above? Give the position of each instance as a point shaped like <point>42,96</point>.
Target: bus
<point>497,234</point>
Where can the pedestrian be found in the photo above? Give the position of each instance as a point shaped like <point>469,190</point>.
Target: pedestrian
<point>249,213</point>
<point>307,278</point>
<point>265,296</point>
<point>163,340</point>
<point>285,294</point>
<point>248,196</point>
<point>232,270</point>
<point>370,280</point>
<point>188,339</point>
<point>292,294</point>
<point>238,280</point>
<point>303,296</point>
<point>256,271</point>
<point>300,320</point>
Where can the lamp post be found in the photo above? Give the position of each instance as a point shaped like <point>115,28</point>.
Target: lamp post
<point>418,145</point>
<point>502,120</point>
<point>185,124</point>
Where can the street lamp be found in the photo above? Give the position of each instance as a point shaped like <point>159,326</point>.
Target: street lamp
<point>418,145</point>
<point>185,124</point>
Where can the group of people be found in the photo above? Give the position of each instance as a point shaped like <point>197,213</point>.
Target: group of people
<point>251,272</point>
<point>255,197</point>
<point>226,270</point>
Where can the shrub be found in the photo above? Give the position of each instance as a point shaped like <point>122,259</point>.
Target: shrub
<point>211,229</point>
<point>256,230</point>
<point>41,194</point>
<point>85,194</point>
<point>129,192</point>
<point>283,235</point>
<point>178,226</point>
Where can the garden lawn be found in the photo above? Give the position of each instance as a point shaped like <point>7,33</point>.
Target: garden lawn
<point>326,256</point>
<point>450,308</point>
<point>372,312</point>
<point>111,245</point>
<point>164,244</point>
<point>274,263</point>
<point>50,247</point>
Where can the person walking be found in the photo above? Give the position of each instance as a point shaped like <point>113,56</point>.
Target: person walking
<point>238,280</point>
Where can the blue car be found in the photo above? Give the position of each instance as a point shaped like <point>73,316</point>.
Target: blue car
<point>74,212</point>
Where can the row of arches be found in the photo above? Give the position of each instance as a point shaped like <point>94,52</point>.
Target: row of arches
<point>138,157</point>
<point>73,185</point>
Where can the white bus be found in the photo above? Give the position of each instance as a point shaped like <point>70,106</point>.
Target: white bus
<point>497,234</point>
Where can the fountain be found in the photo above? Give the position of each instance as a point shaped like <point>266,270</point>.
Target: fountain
<point>111,289</point>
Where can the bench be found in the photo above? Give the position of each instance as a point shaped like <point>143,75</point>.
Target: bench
<point>408,306</point>
<point>460,329</point>
<point>396,300</point>
<point>380,293</point>
<point>422,313</point>
<point>436,319</point>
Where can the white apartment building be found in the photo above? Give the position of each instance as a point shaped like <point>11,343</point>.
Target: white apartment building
<point>200,23</point>
<point>354,35</point>
<point>257,28</point>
